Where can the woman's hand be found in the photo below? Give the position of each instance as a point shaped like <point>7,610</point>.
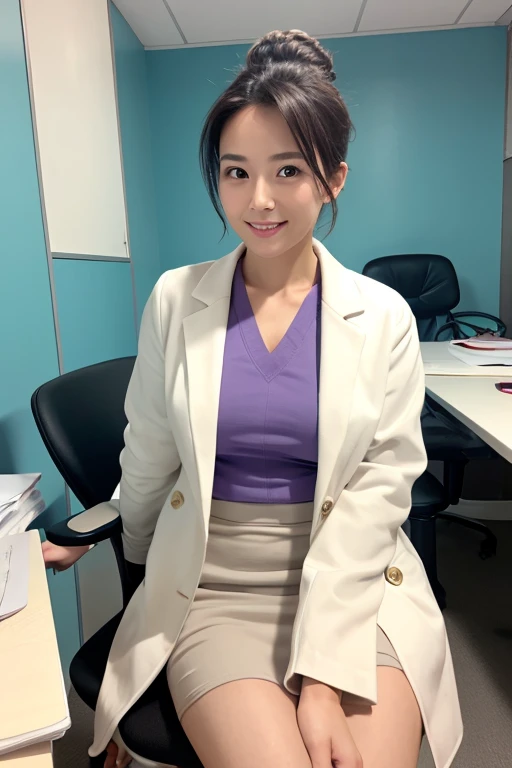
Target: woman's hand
<point>116,757</point>
<point>324,728</point>
<point>61,558</point>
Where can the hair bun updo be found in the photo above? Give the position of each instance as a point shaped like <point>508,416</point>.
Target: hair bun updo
<point>292,73</point>
<point>291,46</point>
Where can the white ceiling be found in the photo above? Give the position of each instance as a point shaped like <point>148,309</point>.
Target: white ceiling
<point>184,23</point>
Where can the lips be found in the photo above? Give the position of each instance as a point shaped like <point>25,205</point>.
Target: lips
<point>263,226</point>
<point>266,228</point>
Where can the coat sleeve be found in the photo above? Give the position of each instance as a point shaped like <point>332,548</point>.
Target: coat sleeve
<point>335,638</point>
<point>150,462</point>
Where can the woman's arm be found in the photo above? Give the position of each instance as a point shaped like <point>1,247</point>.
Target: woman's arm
<point>149,460</point>
<point>357,542</point>
<point>313,690</point>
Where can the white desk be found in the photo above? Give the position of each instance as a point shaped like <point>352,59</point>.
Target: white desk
<point>470,395</point>
<point>36,756</point>
<point>32,691</point>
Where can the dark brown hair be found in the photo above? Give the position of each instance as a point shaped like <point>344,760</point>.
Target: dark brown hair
<point>292,72</point>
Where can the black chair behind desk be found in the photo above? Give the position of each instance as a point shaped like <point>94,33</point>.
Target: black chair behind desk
<point>429,284</point>
<point>81,419</point>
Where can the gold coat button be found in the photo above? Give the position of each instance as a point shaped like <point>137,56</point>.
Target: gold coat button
<point>326,507</point>
<point>177,500</point>
<point>394,576</point>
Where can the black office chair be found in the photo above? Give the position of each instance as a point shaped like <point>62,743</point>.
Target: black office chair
<point>81,419</point>
<point>430,286</point>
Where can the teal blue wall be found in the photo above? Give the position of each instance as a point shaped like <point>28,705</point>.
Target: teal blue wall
<point>95,300</point>
<point>95,307</point>
<point>27,335</point>
<point>426,165</point>
<point>133,108</point>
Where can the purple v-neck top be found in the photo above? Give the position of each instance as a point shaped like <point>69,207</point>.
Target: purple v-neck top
<point>267,435</point>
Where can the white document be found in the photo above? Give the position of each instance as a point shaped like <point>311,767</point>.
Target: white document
<point>481,356</point>
<point>14,574</point>
<point>20,503</point>
<point>17,517</point>
<point>13,486</point>
<point>438,361</point>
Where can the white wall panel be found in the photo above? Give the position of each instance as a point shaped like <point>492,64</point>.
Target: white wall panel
<point>70,57</point>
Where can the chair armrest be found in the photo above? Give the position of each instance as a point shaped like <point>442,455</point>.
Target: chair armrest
<point>91,526</point>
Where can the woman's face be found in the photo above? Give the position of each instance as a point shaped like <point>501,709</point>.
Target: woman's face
<point>270,196</point>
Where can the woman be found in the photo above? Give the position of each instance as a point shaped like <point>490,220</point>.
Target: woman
<point>273,439</point>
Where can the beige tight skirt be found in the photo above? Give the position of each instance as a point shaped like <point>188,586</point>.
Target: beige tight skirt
<point>240,623</point>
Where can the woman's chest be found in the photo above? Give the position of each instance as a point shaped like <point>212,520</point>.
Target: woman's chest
<point>275,316</point>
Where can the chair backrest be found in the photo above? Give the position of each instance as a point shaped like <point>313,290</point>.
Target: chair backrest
<point>81,419</point>
<point>428,283</point>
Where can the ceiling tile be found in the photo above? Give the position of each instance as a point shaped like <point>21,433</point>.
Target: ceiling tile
<point>203,21</point>
<point>506,19</point>
<point>402,14</point>
<point>151,21</point>
<point>482,11</point>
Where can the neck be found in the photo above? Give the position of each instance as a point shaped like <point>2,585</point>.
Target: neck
<point>295,268</point>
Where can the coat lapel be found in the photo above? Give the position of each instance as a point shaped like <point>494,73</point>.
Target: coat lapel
<point>205,337</point>
<point>342,342</point>
<point>341,346</point>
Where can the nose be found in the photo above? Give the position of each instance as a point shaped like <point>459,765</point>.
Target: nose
<point>262,198</point>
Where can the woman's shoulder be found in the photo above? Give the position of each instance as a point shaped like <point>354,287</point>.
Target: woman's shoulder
<point>378,297</point>
<point>385,313</point>
<point>364,297</point>
<point>172,295</point>
<point>180,279</point>
<point>192,286</point>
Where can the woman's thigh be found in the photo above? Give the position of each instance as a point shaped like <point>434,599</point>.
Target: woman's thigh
<point>388,735</point>
<point>246,724</point>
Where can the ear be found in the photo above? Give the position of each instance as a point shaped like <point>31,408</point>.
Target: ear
<point>337,181</point>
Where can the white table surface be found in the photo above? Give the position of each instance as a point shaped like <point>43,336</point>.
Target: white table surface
<point>471,397</point>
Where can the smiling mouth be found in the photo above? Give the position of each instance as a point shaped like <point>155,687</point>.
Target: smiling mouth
<point>265,227</point>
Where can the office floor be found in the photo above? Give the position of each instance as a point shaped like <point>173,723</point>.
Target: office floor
<point>479,622</point>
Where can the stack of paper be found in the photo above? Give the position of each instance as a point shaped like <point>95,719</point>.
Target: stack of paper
<point>483,350</point>
<point>20,502</point>
<point>33,703</point>
<point>14,574</point>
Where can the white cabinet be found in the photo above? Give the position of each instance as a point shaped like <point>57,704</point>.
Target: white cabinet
<point>70,62</point>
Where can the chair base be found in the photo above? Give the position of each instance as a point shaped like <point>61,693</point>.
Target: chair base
<point>423,537</point>
<point>489,545</point>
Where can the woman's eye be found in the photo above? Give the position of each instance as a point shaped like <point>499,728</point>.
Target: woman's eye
<point>288,172</point>
<point>236,173</point>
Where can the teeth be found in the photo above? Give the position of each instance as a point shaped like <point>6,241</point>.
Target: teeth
<point>264,226</point>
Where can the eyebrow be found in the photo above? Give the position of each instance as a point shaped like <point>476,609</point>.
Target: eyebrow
<point>279,156</point>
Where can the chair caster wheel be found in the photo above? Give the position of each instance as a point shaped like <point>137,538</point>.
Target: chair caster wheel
<point>487,549</point>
